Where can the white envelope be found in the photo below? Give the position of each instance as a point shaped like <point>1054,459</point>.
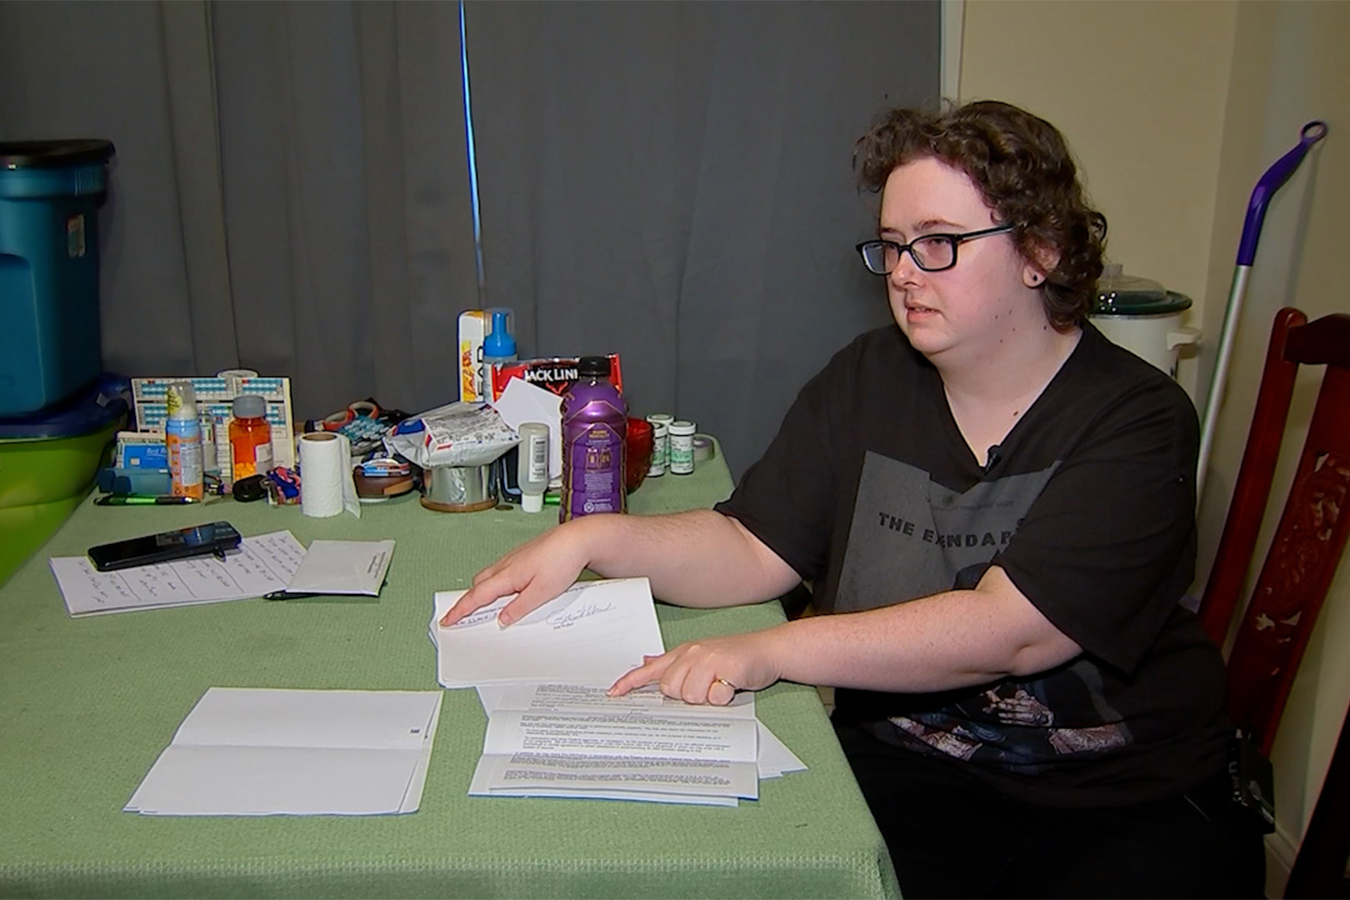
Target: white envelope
<point>341,567</point>
<point>592,633</point>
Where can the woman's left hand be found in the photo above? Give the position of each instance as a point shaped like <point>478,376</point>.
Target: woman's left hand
<point>707,671</point>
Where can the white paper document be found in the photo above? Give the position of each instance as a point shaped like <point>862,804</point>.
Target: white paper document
<point>261,565</point>
<point>523,402</point>
<point>774,759</point>
<point>573,741</point>
<point>259,752</point>
<point>553,731</point>
<point>581,698</point>
<point>594,632</point>
<point>341,567</point>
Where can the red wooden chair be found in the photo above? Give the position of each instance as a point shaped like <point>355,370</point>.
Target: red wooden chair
<point>1307,546</point>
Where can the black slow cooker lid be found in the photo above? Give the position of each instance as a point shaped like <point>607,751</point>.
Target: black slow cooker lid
<point>1140,304</point>
<point>1119,294</point>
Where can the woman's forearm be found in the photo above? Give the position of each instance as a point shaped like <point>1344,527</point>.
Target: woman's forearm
<point>699,558</point>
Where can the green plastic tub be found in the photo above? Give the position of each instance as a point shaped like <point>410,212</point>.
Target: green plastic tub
<point>48,463</point>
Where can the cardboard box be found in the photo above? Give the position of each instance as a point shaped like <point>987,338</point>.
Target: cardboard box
<point>555,374</point>
<point>473,329</point>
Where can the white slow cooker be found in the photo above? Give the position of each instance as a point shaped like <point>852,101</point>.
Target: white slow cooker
<point>1143,317</point>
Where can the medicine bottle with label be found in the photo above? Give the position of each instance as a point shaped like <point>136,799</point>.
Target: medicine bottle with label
<point>532,465</point>
<point>681,447</point>
<point>250,436</point>
<point>660,448</point>
<point>661,441</point>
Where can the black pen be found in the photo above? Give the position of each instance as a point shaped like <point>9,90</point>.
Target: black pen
<point>143,500</point>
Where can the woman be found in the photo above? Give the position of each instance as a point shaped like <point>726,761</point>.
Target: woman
<point>996,505</point>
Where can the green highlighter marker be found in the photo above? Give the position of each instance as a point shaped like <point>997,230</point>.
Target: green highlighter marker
<point>142,500</point>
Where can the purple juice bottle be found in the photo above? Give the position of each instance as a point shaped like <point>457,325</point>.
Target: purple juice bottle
<point>594,443</point>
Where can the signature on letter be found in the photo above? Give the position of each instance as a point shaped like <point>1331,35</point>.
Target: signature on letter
<point>567,617</point>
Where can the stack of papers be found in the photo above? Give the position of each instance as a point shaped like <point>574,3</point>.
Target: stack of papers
<point>259,752</point>
<point>273,563</point>
<point>554,732</point>
<point>555,740</point>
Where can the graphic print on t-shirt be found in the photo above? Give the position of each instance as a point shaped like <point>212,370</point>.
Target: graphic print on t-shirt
<point>909,530</point>
<point>1024,725</point>
<point>904,522</point>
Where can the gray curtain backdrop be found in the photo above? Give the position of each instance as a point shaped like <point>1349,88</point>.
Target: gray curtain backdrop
<point>673,181</point>
<point>669,181</point>
<point>290,191</point>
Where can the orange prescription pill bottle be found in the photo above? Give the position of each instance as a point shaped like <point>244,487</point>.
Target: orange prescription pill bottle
<point>250,436</point>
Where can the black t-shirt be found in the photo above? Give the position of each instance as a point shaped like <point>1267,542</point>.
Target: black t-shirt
<point>870,492</point>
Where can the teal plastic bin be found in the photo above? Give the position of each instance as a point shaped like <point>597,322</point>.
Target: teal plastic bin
<point>50,192</point>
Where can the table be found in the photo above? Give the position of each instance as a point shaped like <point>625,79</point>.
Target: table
<point>86,705</point>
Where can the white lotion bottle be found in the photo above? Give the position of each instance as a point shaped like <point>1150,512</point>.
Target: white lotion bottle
<point>532,465</point>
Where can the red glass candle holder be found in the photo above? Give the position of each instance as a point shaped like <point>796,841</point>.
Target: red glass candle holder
<point>640,446</point>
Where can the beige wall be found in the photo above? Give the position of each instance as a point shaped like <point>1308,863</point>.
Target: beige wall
<point>1138,89</point>
<point>1174,111</point>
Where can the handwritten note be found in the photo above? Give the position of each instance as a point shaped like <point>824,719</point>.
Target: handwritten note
<point>262,564</point>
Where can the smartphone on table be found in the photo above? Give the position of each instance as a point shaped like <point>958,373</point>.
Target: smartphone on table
<point>199,540</point>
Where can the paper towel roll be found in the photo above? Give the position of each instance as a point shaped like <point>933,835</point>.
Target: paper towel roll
<point>234,378</point>
<point>325,470</point>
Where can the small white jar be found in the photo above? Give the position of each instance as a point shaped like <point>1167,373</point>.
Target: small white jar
<point>681,447</point>
<point>660,447</point>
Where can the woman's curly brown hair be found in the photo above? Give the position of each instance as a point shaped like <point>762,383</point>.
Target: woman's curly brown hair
<point>1022,167</point>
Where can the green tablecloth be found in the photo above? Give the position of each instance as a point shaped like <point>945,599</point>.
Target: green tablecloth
<point>86,706</point>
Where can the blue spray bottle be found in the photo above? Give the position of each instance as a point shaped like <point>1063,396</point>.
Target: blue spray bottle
<point>499,347</point>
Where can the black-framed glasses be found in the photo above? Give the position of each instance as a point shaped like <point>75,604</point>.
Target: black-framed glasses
<point>932,252</point>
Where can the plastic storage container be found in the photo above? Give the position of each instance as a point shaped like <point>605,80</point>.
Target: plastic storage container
<point>49,461</point>
<point>50,192</point>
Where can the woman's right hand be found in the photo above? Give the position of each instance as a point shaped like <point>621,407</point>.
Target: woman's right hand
<point>537,571</point>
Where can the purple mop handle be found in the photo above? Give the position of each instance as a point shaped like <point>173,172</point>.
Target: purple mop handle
<point>1271,182</point>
